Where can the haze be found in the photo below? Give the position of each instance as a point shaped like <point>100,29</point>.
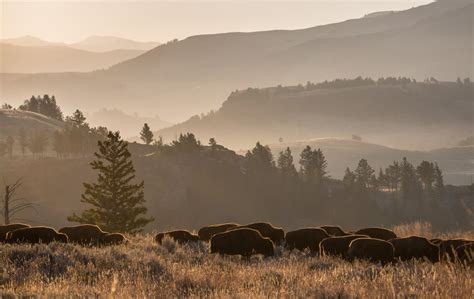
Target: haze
<point>165,20</point>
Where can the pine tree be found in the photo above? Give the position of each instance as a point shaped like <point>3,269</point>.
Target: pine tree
<point>365,175</point>
<point>285,163</point>
<point>146,134</point>
<point>118,204</point>
<point>438,180</point>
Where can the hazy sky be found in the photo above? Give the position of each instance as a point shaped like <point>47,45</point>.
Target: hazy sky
<point>70,21</point>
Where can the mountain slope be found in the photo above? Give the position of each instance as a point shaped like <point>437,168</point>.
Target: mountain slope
<point>194,75</point>
<point>12,120</point>
<point>44,59</point>
<point>410,115</point>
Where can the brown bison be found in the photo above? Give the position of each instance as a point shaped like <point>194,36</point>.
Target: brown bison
<point>242,241</point>
<point>86,234</point>
<point>374,250</point>
<point>277,235</point>
<point>180,236</point>
<point>465,253</point>
<point>377,233</point>
<point>333,230</point>
<point>305,238</point>
<point>114,239</point>
<point>4,229</point>
<point>415,248</point>
<point>447,248</point>
<point>206,233</point>
<point>35,235</point>
<point>338,246</point>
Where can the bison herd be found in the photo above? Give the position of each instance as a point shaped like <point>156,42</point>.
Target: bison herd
<point>373,244</point>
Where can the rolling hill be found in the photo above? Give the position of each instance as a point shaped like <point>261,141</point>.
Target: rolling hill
<point>109,43</point>
<point>457,162</point>
<point>12,120</point>
<point>183,78</point>
<point>403,115</point>
<point>52,59</point>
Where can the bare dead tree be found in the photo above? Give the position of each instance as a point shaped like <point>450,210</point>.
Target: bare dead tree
<point>12,205</point>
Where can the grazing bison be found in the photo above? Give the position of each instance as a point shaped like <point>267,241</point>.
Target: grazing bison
<point>374,250</point>
<point>35,235</point>
<point>415,248</point>
<point>206,233</point>
<point>305,238</point>
<point>241,241</point>
<point>333,230</point>
<point>4,229</point>
<point>465,253</point>
<point>180,236</point>
<point>447,248</point>
<point>338,246</point>
<point>86,234</point>
<point>377,233</point>
<point>114,239</point>
<point>277,235</point>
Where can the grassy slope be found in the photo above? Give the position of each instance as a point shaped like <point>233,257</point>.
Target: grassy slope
<point>144,269</point>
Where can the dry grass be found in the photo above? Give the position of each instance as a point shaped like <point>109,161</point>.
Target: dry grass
<point>144,269</point>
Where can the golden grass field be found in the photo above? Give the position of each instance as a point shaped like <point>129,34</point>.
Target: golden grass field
<point>144,269</point>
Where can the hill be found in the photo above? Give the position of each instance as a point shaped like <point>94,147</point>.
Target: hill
<point>398,114</point>
<point>194,75</point>
<point>109,43</point>
<point>12,120</point>
<point>51,59</point>
<point>457,162</point>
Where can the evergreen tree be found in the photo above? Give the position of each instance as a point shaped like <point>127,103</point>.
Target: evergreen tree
<point>118,204</point>
<point>365,175</point>
<point>438,181</point>
<point>313,165</point>
<point>426,172</point>
<point>409,181</point>
<point>349,179</point>
<point>146,135</point>
<point>259,161</point>
<point>285,163</point>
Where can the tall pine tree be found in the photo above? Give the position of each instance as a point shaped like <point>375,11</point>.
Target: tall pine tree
<point>118,204</point>
<point>146,135</point>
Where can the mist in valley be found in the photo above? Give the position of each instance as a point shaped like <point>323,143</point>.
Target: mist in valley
<point>291,128</point>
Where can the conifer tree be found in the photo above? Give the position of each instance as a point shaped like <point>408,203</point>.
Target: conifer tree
<point>146,134</point>
<point>285,163</point>
<point>118,204</point>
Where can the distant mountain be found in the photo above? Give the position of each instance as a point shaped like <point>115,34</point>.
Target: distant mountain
<point>29,41</point>
<point>457,162</point>
<point>403,115</point>
<point>183,78</point>
<point>51,59</point>
<point>109,43</point>
<point>128,125</point>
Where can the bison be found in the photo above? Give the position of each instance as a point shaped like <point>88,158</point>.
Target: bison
<point>277,235</point>
<point>114,239</point>
<point>436,241</point>
<point>305,238</point>
<point>338,246</point>
<point>377,233</point>
<point>206,233</point>
<point>4,229</point>
<point>415,248</point>
<point>333,230</point>
<point>180,236</point>
<point>36,235</point>
<point>242,241</point>
<point>374,250</point>
<point>447,248</point>
<point>86,234</point>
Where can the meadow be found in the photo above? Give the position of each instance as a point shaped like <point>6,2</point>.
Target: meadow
<point>142,268</point>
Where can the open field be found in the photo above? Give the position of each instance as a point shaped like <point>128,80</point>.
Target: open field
<point>144,269</point>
